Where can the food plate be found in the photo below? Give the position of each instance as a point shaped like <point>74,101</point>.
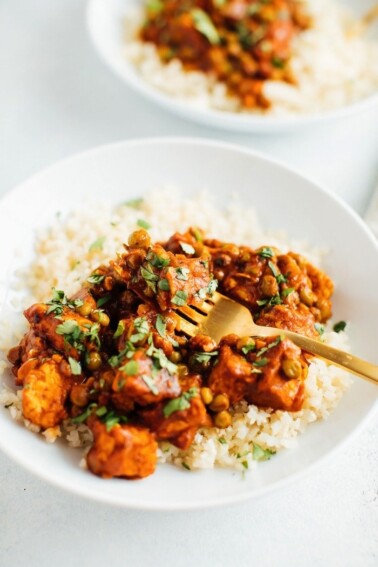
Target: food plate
<point>105,22</point>
<point>284,200</point>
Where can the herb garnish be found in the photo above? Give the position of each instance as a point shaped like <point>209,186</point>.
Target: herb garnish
<point>149,277</point>
<point>204,357</point>
<point>180,298</point>
<point>97,244</point>
<point>164,285</point>
<point>95,278</point>
<point>181,403</point>
<point>260,454</point>
<point>266,252</point>
<point>75,366</point>
<point>319,328</point>
<point>188,248</point>
<point>340,326</point>
<point>142,328</point>
<point>269,346</point>
<point>130,368</point>
<point>59,301</point>
<point>120,329</point>
<point>287,291</point>
<point>104,299</point>
<point>150,384</point>
<point>134,203</point>
<point>161,325</point>
<point>157,261</point>
<point>182,274</point>
<point>204,25</point>
<point>143,224</point>
<point>260,362</point>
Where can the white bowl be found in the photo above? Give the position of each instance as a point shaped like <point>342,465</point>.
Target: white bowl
<point>283,199</point>
<point>105,22</point>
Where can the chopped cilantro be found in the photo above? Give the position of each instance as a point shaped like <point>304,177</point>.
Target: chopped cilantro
<point>150,384</point>
<point>180,298</point>
<point>269,346</point>
<point>260,454</point>
<point>83,416</point>
<point>340,326</point>
<point>160,325</point>
<point>120,329</point>
<point>186,466</point>
<point>134,203</point>
<point>182,274</point>
<point>222,441</point>
<point>188,248</point>
<point>287,291</point>
<point>181,403</point>
<point>143,224</point>
<point>149,277</point>
<point>203,24</point>
<point>157,261</point>
<point>101,411</point>
<point>75,366</point>
<point>104,299</point>
<point>261,362</point>
<point>95,278</point>
<point>319,328</point>
<point>163,284</point>
<point>266,252</point>
<point>245,464</point>
<point>130,368</point>
<point>248,348</point>
<point>142,328</point>
<point>204,357</point>
<point>97,244</point>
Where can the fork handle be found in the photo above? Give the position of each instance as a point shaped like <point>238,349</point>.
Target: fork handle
<point>340,358</point>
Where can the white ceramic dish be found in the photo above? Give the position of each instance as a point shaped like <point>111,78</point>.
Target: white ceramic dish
<point>105,24</point>
<point>283,199</point>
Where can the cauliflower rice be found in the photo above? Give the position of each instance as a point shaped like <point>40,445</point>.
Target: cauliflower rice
<point>333,63</point>
<point>63,258</point>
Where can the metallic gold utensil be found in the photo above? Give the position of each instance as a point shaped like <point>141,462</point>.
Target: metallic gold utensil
<point>220,316</point>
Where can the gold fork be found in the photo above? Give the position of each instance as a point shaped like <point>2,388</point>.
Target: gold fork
<point>220,316</point>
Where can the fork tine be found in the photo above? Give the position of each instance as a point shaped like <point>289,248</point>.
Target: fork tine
<point>191,313</point>
<point>187,328</point>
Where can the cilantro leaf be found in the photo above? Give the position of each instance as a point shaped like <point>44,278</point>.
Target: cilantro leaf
<point>181,403</point>
<point>180,298</point>
<point>97,244</point>
<point>75,366</point>
<point>187,248</point>
<point>340,326</point>
<point>143,224</point>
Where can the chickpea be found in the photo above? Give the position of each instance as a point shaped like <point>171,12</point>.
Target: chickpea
<point>93,360</point>
<point>79,395</point>
<point>269,286</point>
<point>175,357</point>
<point>246,342</point>
<point>182,370</point>
<point>206,395</point>
<point>223,419</point>
<point>139,239</point>
<point>101,318</point>
<point>292,368</point>
<point>307,296</point>
<point>220,403</point>
<point>84,309</point>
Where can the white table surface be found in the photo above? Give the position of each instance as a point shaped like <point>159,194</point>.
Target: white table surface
<point>56,98</point>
